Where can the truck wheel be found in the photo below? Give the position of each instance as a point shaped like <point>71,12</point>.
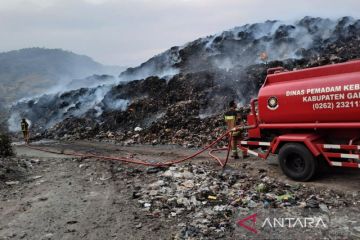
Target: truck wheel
<point>297,162</point>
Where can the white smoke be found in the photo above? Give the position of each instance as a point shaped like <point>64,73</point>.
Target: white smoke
<point>267,37</point>
<point>81,105</point>
<point>14,122</point>
<point>225,63</point>
<point>119,104</point>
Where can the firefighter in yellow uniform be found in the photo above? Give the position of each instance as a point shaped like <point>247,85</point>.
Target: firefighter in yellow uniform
<point>232,118</point>
<point>25,130</point>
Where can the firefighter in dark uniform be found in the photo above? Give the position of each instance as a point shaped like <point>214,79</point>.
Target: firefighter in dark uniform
<point>232,119</point>
<point>25,130</point>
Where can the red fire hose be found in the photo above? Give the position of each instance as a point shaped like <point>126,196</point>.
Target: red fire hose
<point>168,163</point>
<point>160,164</point>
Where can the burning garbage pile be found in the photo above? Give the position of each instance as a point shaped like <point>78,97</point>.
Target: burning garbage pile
<point>205,201</point>
<point>159,111</point>
<point>244,45</point>
<point>184,91</point>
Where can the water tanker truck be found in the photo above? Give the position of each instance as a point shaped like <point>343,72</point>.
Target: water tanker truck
<point>307,117</point>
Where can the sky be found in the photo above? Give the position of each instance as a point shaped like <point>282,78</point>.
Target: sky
<point>128,32</point>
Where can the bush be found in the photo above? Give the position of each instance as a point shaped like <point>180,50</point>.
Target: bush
<point>5,145</point>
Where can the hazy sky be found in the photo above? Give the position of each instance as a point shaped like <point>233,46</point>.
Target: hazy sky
<point>127,32</point>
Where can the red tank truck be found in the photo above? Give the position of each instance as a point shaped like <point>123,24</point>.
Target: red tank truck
<point>306,116</point>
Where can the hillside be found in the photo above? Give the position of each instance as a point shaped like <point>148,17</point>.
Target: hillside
<point>33,71</point>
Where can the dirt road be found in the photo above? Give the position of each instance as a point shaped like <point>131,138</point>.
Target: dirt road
<point>69,198</point>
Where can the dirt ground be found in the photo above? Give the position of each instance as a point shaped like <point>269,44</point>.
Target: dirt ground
<point>70,198</point>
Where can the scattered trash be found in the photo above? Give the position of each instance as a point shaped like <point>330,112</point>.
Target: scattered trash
<point>284,197</point>
<point>212,197</point>
<point>324,208</point>
<point>71,222</point>
<point>151,170</point>
<point>188,184</point>
<point>261,187</point>
<point>35,177</point>
<point>103,178</point>
<point>83,165</point>
<point>12,182</point>
<point>138,129</point>
<point>35,160</point>
<point>47,236</point>
<point>209,198</point>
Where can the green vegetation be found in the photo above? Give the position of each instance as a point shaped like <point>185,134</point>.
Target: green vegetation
<point>5,145</point>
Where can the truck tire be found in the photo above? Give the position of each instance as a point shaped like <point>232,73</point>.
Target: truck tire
<point>297,162</point>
